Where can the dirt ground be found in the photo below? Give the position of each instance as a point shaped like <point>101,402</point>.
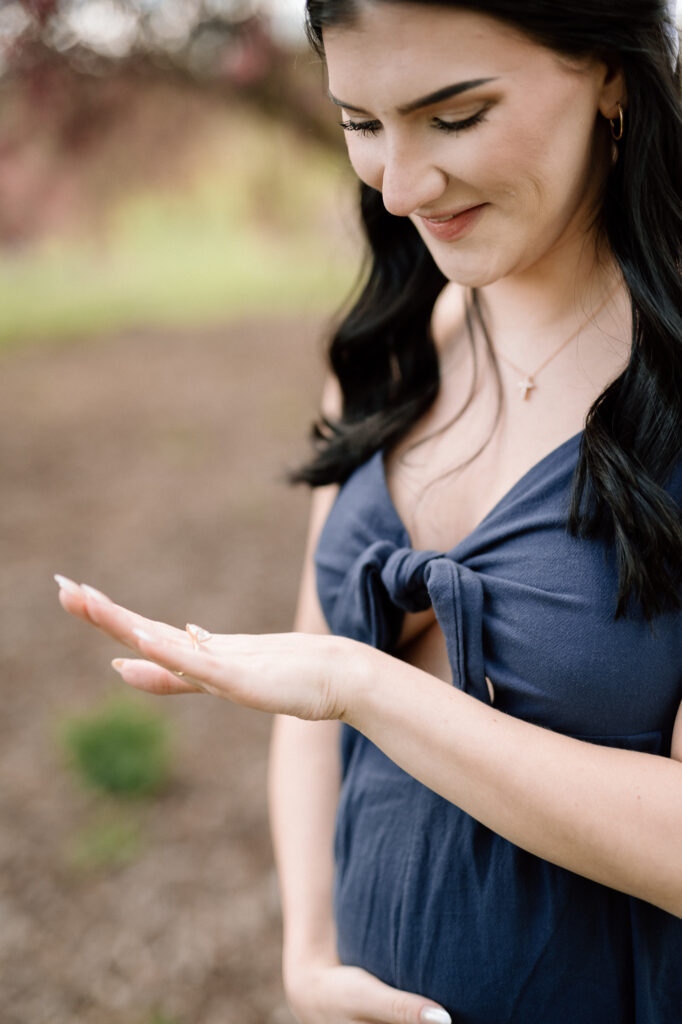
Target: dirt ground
<point>150,466</point>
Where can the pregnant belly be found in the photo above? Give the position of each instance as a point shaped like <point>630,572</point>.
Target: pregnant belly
<point>430,901</point>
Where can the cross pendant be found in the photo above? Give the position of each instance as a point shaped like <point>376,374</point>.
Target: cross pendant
<point>526,387</point>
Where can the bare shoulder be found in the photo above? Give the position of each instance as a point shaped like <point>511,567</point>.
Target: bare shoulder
<point>331,404</point>
<point>448,317</point>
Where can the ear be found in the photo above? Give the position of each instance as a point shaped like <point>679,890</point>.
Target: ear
<point>613,89</point>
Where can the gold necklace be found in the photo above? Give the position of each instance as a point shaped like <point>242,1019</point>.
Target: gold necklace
<point>527,384</point>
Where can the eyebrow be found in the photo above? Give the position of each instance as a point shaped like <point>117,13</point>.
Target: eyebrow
<point>446,93</point>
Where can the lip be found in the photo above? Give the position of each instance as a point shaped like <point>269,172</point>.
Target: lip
<point>460,222</point>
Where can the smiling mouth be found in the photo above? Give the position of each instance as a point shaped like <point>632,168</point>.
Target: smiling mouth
<point>449,227</point>
<point>445,217</point>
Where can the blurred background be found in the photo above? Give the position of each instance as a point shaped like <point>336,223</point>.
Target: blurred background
<point>176,230</point>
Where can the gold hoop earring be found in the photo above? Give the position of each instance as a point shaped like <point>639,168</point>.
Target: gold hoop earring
<point>617,132</point>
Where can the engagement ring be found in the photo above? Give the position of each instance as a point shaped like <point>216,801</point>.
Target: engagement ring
<point>197,635</point>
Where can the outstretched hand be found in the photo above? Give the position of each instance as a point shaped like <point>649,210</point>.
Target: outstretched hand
<point>287,673</point>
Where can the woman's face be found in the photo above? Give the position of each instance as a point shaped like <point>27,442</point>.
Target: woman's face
<point>449,111</point>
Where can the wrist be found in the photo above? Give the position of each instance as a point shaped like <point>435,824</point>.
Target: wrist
<point>309,937</point>
<point>300,961</point>
<point>363,671</point>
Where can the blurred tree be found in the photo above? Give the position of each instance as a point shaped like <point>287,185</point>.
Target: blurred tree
<point>191,34</point>
<point>40,9</point>
<point>76,74</point>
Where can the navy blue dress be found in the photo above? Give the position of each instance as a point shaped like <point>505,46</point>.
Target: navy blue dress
<point>427,898</point>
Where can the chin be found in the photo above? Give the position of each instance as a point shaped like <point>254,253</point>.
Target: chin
<point>478,265</point>
<point>468,264</point>
<point>472,273</point>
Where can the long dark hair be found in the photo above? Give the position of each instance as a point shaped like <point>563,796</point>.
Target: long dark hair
<point>384,355</point>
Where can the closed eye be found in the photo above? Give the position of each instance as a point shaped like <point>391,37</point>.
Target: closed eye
<point>371,128</point>
<point>366,127</point>
<point>460,126</point>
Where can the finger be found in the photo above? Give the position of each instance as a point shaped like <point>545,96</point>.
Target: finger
<point>84,602</point>
<point>145,675</point>
<point>119,622</point>
<point>71,597</point>
<point>434,1015</point>
<point>182,657</point>
<point>381,1003</point>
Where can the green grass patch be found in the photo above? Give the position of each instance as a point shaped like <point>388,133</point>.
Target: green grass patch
<point>255,228</point>
<point>75,291</point>
<point>121,749</point>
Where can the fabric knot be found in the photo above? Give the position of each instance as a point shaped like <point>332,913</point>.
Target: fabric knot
<point>363,609</point>
<point>405,578</point>
<point>386,580</point>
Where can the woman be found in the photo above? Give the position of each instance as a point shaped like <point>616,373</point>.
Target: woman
<point>507,848</point>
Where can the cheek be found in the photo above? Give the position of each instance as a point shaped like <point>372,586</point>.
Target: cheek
<point>546,169</point>
<point>366,160</point>
<point>518,178</point>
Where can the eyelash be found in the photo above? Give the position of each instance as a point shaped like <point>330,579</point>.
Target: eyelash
<point>371,128</point>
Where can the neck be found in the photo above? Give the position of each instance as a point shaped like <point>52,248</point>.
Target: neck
<point>528,313</point>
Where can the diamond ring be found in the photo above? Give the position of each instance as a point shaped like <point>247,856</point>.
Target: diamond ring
<point>197,635</point>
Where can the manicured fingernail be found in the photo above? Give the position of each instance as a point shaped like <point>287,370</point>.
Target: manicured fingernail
<point>97,595</point>
<point>432,1015</point>
<point>118,664</point>
<point>66,584</point>
<point>141,635</point>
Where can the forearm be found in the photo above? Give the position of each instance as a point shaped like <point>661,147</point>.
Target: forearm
<point>303,794</point>
<point>611,815</point>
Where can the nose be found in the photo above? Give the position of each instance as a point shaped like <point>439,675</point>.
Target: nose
<point>409,181</point>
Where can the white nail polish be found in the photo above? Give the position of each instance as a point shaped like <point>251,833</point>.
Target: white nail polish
<point>432,1015</point>
<point>141,635</point>
<point>91,592</point>
<point>118,664</point>
<point>66,584</point>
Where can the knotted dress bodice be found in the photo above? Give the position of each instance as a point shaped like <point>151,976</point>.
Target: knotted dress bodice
<point>427,898</point>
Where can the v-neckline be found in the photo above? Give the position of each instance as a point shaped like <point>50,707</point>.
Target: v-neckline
<point>508,494</point>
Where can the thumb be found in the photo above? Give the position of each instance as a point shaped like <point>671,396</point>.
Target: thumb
<point>390,1006</point>
<point>434,1015</point>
